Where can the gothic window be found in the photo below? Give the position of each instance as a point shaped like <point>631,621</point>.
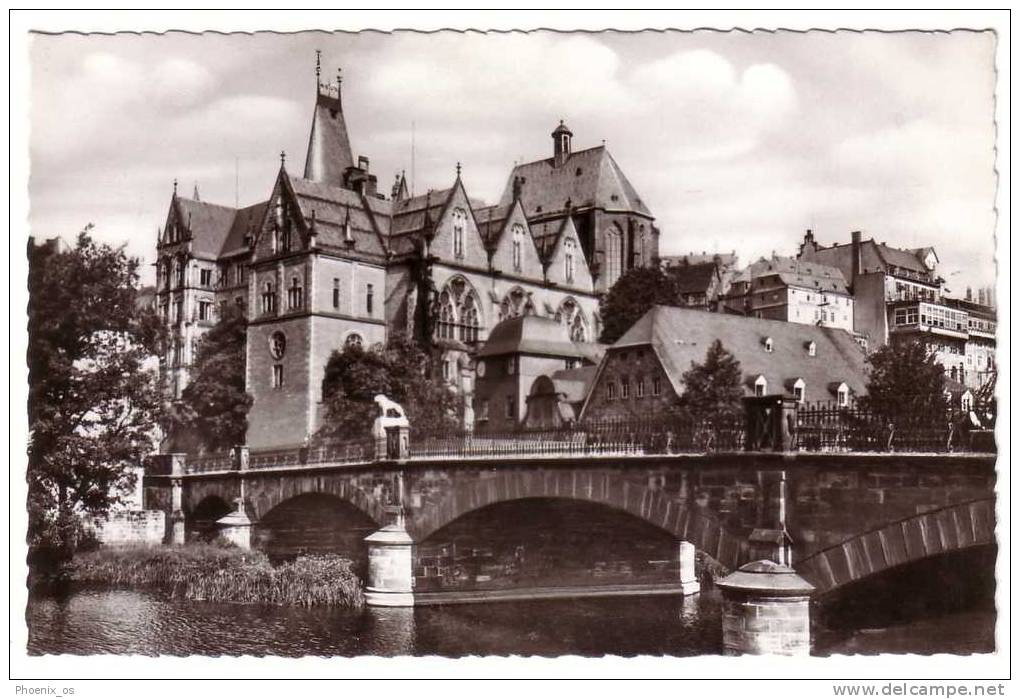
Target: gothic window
<point>578,333</point>
<point>268,298</point>
<point>336,294</point>
<point>569,248</point>
<point>295,294</point>
<point>516,303</point>
<point>205,277</point>
<point>469,322</point>
<point>614,254</point>
<point>446,317</point>
<point>369,298</point>
<point>354,340</point>
<point>459,226</point>
<point>517,232</point>
<point>164,274</point>
<point>277,376</point>
<point>204,310</point>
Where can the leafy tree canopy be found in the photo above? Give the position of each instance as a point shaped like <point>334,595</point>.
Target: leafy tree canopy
<point>712,388</point>
<point>631,297</point>
<point>400,370</point>
<point>906,382</point>
<point>93,393</point>
<point>213,410</point>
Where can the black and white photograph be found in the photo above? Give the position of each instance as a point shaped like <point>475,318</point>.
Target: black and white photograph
<point>673,343</point>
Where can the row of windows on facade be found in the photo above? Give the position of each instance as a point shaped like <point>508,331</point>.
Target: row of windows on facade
<point>178,271</point>
<point>761,388</point>
<point>933,316</point>
<point>296,296</point>
<point>509,408</point>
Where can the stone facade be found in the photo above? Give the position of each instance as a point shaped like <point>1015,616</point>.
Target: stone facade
<point>131,528</point>
<point>327,260</point>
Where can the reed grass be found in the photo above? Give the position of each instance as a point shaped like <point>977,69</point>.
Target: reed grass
<point>218,573</point>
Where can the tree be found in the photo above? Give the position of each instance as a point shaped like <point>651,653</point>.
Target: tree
<point>906,382</point>
<point>712,389</point>
<point>402,371</point>
<point>93,391</point>
<point>631,297</point>
<point>214,406</point>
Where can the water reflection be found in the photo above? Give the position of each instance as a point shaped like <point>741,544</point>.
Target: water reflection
<point>123,622</point>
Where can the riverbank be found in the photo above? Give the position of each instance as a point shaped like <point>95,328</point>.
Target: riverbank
<point>219,573</point>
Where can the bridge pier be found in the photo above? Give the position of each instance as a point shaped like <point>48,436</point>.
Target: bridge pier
<point>689,584</point>
<point>766,610</point>
<point>236,527</point>
<point>390,566</point>
<point>176,528</point>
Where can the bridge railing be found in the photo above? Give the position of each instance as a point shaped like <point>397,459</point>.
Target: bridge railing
<point>827,427</point>
<point>648,435</point>
<point>350,451</point>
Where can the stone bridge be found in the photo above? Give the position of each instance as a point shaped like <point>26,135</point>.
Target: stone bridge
<point>463,528</point>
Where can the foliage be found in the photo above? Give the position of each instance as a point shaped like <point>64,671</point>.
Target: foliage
<point>712,388</point>
<point>213,409</point>
<point>631,297</point>
<point>906,382</point>
<point>400,370</point>
<point>93,390</point>
<point>223,573</point>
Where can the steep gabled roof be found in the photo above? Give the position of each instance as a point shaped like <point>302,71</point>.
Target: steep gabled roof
<point>694,278</point>
<point>800,273</point>
<point>335,207</point>
<point>329,147</point>
<point>586,178</point>
<point>209,224</point>
<point>247,221</point>
<point>682,336</point>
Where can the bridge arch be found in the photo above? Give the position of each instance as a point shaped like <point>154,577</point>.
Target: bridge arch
<point>314,522</point>
<point>686,521</point>
<point>928,534</point>
<point>201,522</point>
<point>267,492</point>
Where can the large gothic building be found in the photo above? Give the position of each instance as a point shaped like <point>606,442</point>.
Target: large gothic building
<point>329,260</point>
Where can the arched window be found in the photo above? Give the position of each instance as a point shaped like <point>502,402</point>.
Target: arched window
<point>571,315</point>
<point>516,303</point>
<point>268,298</point>
<point>569,249</point>
<point>459,226</point>
<point>517,233</point>
<point>578,331</point>
<point>295,294</point>
<point>469,319</point>
<point>767,344</point>
<point>614,254</point>
<point>354,341</point>
<point>446,317</point>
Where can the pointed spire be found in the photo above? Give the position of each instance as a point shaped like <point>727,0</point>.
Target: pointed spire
<point>195,193</point>
<point>175,188</point>
<point>458,169</point>
<point>318,65</point>
<point>283,160</point>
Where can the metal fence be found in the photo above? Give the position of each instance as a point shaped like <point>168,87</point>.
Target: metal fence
<point>635,436</point>
<point>817,428</point>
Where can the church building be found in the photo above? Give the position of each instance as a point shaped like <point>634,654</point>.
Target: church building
<point>329,260</point>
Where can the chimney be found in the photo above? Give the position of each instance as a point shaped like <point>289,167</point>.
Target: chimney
<point>855,258</point>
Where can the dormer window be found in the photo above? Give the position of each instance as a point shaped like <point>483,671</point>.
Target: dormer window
<point>761,386</point>
<point>798,390</point>
<point>812,348</point>
<point>767,344</point>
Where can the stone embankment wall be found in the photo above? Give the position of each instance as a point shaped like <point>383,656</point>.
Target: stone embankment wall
<point>131,527</point>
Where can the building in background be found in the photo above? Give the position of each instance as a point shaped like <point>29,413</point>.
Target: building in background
<point>795,291</point>
<point>517,353</point>
<point>642,372</point>
<point>699,285</point>
<point>329,260</point>
<point>898,294</point>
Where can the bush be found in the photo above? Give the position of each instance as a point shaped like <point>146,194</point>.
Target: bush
<point>221,572</point>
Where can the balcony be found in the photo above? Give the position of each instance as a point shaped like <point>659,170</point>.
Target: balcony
<point>924,317</point>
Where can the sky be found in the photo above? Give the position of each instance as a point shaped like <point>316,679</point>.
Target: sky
<point>736,141</point>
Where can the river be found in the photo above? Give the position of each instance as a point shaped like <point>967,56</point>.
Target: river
<point>148,623</point>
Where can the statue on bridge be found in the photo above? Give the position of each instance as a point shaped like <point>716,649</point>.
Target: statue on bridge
<point>390,429</point>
